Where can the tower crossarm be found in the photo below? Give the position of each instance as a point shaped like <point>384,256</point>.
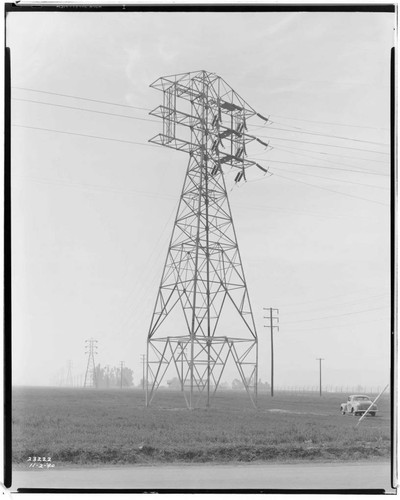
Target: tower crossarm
<point>187,127</point>
<point>173,143</point>
<point>179,116</point>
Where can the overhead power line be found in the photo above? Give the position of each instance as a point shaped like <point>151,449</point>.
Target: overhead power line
<point>85,135</point>
<point>151,145</point>
<point>309,132</point>
<point>330,297</point>
<point>84,109</point>
<point>82,98</point>
<point>148,109</point>
<point>329,327</point>
<point>333,179</point>
<point>323,144</point>
<point>335,315</point>
<point>290,149</point>
<point>290,211</point>
<point>65,183</point>
<point>329,123</point>
<point>147,275</point>
<point>332,190</point>
<point>68,184</point>
<point>369,172</point>
<point>340,304</point>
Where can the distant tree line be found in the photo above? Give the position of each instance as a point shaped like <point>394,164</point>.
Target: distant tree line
<point>110,376</point>
<point>235,385</point>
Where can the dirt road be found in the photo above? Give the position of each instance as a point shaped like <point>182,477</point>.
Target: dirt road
<point>368,475</point>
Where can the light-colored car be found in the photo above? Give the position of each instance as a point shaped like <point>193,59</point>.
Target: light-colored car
<point>358,404</point>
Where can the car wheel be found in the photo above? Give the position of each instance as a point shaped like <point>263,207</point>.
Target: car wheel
<point>372,413</point>
<point>343,412</point>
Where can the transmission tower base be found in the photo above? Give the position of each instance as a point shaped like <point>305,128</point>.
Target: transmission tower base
<point>199,379</point>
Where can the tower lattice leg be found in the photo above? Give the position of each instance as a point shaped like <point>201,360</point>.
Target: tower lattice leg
<point>203,273</point>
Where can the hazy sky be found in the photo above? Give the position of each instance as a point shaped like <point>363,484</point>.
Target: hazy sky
<point>92,217</point>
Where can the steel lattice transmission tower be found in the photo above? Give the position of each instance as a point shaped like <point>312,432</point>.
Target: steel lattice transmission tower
<point>203,276</point>
<point>90,375</point>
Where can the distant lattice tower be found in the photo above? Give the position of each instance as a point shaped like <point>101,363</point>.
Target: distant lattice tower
<point>203,277</point>
<point>90,376</point>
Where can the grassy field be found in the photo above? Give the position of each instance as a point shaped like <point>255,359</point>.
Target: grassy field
<point>83,426</point>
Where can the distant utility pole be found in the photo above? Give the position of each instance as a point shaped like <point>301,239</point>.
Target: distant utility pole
<point>90,376</point>
<point>271,326</point>
<point>183,356</point>
<point>122,369</point>
<point>320,374</point>
<point>69,381</point>
<point>143,360</point>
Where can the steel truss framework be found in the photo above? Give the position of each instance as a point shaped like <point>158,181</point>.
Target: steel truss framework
<point>90,375</point>
<point>203,271</point>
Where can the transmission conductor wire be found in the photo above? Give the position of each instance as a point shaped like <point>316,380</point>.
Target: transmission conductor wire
<point>342,304</point>
<point>82,98</point>
<point>329,123</point>
<point>147,119</point>
<point>145,273</point>
<point>85,135</point>
<point>87,110</point>
<point>92,187</point>
<point>308,132</point>
<point>154,145</point>
<point>333,179</point>
<point>332,190</point>
<point>334,316</point>
<point>325,327</point>
<point>148,109</point>
<point>290,149</point>
<point>324,167</point>
<point>324,144</point>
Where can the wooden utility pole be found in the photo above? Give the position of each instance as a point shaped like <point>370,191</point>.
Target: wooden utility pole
<point>271,326</point>
<point>320,375</point>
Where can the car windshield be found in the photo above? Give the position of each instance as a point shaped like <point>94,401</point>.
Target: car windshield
<point>361,398</point>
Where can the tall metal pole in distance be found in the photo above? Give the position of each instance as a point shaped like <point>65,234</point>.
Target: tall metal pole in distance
<point>320,374</point>
<point>122,369</point>
<point>271,317</point>
<point>143,361</point>
<point>91,350</point>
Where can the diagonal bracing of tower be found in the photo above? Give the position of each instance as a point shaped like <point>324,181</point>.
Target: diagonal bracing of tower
<point>90,375</point>
<point>203,273</point>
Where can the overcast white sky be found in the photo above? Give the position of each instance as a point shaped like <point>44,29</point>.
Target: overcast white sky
<point>92,217</point>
